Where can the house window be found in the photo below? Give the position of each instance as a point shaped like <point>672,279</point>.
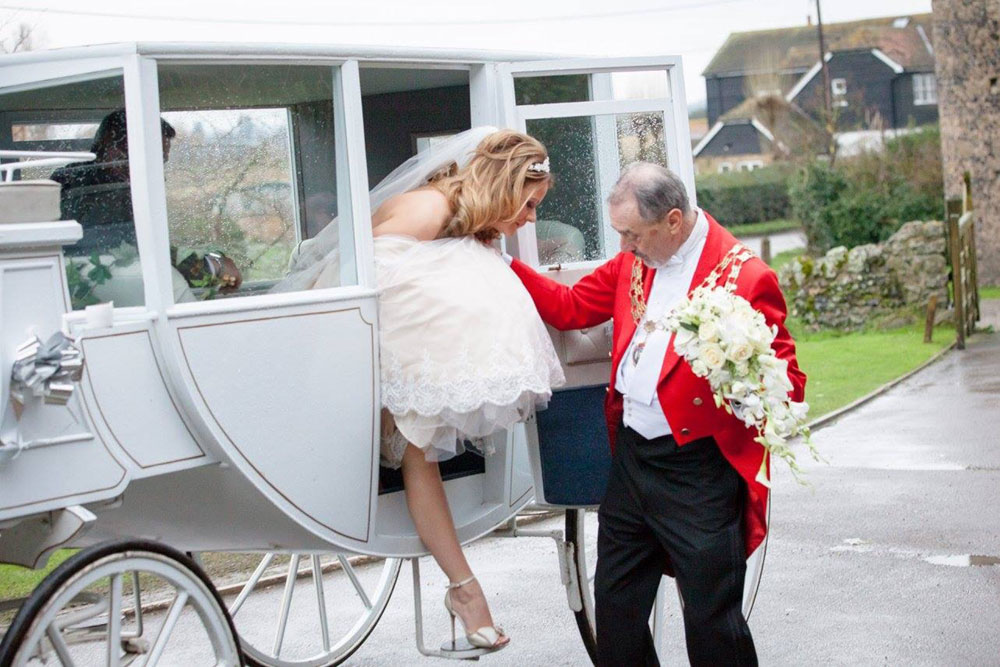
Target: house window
<point>750,165</point>
<point>838,87</point>
<point>725,167</point>
<point>924,89</point>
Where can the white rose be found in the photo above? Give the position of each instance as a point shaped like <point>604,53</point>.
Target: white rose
<point>740,352</point>
<point>708,331</point>
<point>699,368</point>
<point>713,356</point>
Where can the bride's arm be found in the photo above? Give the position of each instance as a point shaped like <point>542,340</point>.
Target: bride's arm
<point>419,213</point>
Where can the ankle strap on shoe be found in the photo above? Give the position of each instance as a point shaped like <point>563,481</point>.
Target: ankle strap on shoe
<point>461,583</point>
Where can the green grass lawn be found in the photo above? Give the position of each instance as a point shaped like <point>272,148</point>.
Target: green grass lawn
<point>989,292</point>
<point>16,582</point>
<point>844,367</point>
<point>782,258</point>
<point>764,228</point>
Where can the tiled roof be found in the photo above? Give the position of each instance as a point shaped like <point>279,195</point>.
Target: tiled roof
<point>786,121</point>
<point>797,49</point>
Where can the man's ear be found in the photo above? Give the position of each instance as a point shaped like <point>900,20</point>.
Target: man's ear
<point>675,220</point>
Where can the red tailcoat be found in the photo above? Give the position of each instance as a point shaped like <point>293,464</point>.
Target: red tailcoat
<point>686,399</point>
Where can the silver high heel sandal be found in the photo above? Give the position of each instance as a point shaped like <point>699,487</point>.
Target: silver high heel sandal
<point>486,637</point>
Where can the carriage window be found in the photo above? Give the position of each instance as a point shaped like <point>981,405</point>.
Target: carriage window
<point>85,115</point>
<point>587,155</point>
<point>552,89</point>
<point>252,177</point>
<point>594,123</point>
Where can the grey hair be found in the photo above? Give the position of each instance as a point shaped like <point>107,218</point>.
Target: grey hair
<point>656,189</point>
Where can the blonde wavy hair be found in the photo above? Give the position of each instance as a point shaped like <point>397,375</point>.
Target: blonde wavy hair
<point>490,189</point>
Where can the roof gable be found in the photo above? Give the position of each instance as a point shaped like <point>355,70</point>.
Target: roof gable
<point>775,119</point>
<point>795,50</point>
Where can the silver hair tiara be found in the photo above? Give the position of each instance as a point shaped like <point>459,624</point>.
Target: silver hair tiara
<point>542,166</point>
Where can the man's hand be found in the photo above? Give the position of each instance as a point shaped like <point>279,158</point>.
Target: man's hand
<point>224,270</point>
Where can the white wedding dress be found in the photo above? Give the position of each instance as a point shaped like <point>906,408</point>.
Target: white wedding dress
<point>464,353</point>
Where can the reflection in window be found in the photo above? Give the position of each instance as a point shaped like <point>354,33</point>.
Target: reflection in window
<point>48,132</point>
<point>587,155</point>
<point>252,174</point>
<point>552,89</point>
<point>639,85</point>
<point>229,188</point>
<point>85,115</point>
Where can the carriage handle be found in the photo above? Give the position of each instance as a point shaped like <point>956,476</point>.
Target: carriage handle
<point>39,159</point>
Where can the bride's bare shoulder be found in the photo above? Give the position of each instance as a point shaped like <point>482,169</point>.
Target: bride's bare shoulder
<point>420,213</point>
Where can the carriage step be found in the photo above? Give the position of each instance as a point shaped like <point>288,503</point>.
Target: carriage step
<point>31,542</point>
<point>460,650</point>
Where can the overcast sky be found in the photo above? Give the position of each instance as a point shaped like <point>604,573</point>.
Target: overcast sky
<point>694,30</point>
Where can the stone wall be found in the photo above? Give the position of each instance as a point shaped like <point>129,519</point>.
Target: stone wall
<point>870,284</point>
<point>967,50</point>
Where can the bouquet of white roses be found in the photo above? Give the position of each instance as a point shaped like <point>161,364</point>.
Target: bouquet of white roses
<point>728,342</point>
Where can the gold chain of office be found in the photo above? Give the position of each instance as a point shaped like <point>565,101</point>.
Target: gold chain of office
<point>736,256</point>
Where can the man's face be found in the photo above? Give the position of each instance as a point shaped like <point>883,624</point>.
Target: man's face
<point>652,242</point>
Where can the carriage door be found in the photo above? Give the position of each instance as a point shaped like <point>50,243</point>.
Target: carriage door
<point>595,117</point>
<point>262,172</point>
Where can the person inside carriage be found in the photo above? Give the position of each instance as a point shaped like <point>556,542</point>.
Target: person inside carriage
<point>463,352</point>
<point>98,195</point>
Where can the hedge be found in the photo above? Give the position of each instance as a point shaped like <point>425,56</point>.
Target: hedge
<point>743,197</point>
<point>864,199</point>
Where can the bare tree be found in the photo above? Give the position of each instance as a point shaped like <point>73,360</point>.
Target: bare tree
<point>16,36</point>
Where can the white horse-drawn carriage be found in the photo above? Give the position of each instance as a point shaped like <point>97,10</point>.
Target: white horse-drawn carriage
<point>208,419</point>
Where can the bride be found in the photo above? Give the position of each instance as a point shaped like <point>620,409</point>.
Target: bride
<point>464,353</point>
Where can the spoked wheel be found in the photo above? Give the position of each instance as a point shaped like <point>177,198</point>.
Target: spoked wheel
<point>88,611</point>
<point>287,616</point>
<point>581,533</point>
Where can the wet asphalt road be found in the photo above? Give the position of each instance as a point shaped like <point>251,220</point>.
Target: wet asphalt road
<point>780,242</point>
<point>865,566</point>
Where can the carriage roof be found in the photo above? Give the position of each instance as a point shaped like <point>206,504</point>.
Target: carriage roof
<point>273,50</point>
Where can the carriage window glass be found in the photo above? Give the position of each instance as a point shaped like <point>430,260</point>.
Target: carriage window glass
<point>252,175</point>
<point>639,85</point>
<point>552,89</point>
<point>86,115</point>
<point>587,155</point>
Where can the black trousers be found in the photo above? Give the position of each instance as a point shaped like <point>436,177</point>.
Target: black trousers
<point>684,503</point>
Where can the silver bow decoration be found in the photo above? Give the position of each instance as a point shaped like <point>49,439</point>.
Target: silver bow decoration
<point>47,370</point>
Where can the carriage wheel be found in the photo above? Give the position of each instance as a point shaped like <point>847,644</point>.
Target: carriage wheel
<point>286,616</point>
<point>581,532</point>
<point>84,611</point>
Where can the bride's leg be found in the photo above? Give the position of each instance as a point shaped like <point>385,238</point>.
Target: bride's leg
<point>429,509</point>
